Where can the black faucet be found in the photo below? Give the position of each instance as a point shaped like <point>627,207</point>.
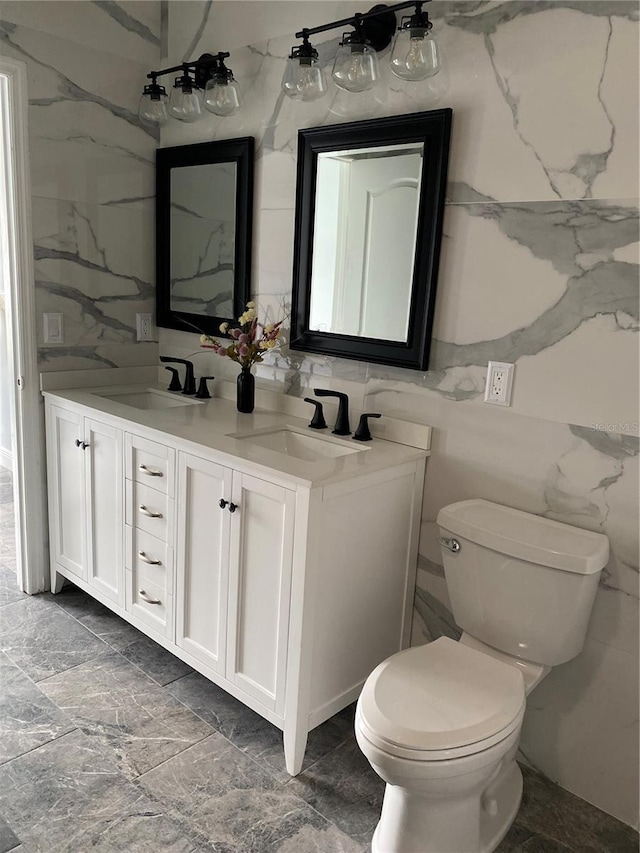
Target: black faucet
<point>203,392</point>
<point>342,421</point>
<point>174,385</point>
<point>363,433</point>
<point>318,421</point>
<point>189,377</point>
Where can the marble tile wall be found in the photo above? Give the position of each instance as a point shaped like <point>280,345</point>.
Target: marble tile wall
<point>539,267</point>
<point>92,172</point>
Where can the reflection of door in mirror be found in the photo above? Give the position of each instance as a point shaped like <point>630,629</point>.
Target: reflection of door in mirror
<point>365,223</point>
<point>203,239</point>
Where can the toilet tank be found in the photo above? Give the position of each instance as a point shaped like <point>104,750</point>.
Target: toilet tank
<point>519,582</point>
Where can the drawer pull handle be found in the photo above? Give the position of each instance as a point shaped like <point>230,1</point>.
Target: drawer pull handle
<point>146,559</point>
<point>151,472</point>
<point>148,512</point>
<point>146,598</point>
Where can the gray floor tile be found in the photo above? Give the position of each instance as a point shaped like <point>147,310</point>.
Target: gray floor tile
<point>136,647</point>
<point>125,711</point>
<point>66,796</point>
<point>250,732</point>
<point>344,789</point>
<point>519,839</point>
<point>74,601</point>
<point>43,640</point>
<point>232,802</point>
<point>157,662</point>
<point>8,839</point>
<point>569,820</point>
<point>9,590</point>
<point>28,718</point>
<point>312,840</point>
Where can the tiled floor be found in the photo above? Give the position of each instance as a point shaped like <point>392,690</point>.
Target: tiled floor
<point>108,743</point>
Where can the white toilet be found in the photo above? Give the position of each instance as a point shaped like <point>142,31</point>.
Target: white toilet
<point>441,723</point>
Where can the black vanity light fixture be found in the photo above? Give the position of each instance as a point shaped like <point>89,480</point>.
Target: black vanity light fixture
<point>415,54</point>
<point>204,83</point>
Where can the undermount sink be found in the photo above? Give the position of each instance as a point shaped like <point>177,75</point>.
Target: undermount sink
<point>150,399</point>
<point>299,444</point>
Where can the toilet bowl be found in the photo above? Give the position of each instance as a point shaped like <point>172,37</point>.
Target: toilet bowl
<point>440,723</point>
<point>444,746</point>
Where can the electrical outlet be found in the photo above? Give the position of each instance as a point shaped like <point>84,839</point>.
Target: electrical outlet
<point>499,381</point>
<point>144,327</point>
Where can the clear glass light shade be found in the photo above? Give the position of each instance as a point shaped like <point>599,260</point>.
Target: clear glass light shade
<point>153,109</point>
<point>304,79</point>
<point>355,68</point>
<point>185,105</point>
<point>222,97</point>
<point>415,55</point>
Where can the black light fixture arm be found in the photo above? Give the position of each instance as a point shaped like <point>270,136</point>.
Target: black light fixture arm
<point>201,67</point>
<point>376,12</point>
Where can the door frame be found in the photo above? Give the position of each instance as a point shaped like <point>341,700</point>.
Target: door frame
<point>28,456</point>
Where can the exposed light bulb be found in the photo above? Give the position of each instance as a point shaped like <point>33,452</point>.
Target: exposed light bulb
<point>357,72</point>
<point>185,102</point>
<point>152,109</point>
<point>222,97</point>
<point>355,68</point>
<point>415,55</point>
<point>311,82</point>
<point>303,79</point>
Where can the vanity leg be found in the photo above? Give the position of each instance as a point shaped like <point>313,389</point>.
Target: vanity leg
<point>57,581</point>
<point>295,743</point>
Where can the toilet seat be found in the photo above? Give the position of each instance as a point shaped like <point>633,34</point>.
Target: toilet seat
<point>440,701</point>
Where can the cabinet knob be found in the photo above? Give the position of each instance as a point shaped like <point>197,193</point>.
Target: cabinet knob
<point>148,598</point>
<point>222,503</point>
<point>150,472</point>
<point>82,444</point>
<point>233,507</point>
<point>146,559</point>
<point>142,508</point>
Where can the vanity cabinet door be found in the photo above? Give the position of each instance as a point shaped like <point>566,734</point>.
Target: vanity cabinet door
<point>67,506</point>
<point>104,489</point>
<point>202,552</point>
<point>260,564</point>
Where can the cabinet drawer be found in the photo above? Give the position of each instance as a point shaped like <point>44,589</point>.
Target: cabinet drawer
<point>150,463</point>
<point>150,510</point>
<point>150,603</point>
<point>149,558</point>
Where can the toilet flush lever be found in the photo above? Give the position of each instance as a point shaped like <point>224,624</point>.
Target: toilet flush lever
<point>450,544</point>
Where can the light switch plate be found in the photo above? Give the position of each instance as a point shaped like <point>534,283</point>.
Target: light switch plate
<point>53,329</point>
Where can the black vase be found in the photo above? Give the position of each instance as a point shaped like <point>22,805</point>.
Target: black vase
<point>246,391</point>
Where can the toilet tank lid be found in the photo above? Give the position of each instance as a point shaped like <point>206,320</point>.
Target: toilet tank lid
<point>526,536</point>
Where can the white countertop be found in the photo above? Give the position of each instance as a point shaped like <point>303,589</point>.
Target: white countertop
<point>210,425</point>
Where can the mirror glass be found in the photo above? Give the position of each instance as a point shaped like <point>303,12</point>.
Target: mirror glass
<point>204,212</point>
<point>364,235</point>
<point>369,206</point>
<point>203,237</point>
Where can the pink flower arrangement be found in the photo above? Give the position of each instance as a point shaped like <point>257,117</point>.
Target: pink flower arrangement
<point>249,341</point>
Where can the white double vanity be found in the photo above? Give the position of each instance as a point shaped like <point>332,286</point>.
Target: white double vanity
<point>276,560</point>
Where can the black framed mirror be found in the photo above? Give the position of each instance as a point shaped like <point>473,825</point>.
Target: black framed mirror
<point>204,213</point>
<point>369,207</point>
